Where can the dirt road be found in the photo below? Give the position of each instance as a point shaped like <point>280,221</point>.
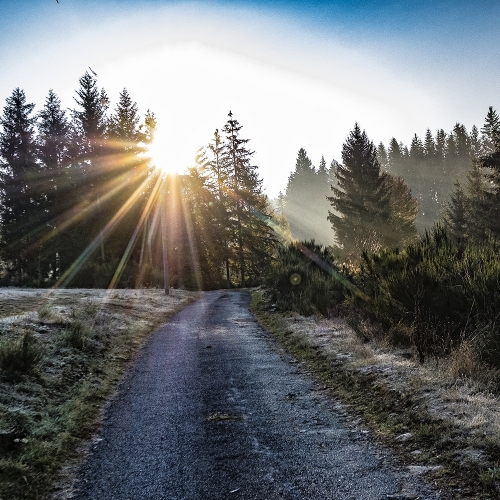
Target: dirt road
<point>211,411</point>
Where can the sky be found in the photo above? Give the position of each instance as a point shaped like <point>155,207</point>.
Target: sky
<point>295,74</point>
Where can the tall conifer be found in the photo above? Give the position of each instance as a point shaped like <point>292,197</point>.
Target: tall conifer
<point>54,155</point>
<point>361,198</point>
<point>20,176</point>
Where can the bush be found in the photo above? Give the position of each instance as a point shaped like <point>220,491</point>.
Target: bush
<point>442,291</point>
<point>21,356</point>
<point>303,277</point>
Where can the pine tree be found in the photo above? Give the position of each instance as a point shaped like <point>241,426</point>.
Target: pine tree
<point>401,229</point>
<point>455,219</point>
<point>491,131</point>
<point>20,175</point>
<point>127,171</point>
<point>429,146</point>
<point>252,237</point>
<point>361,198</point>
<point>301,194</point>
<point>279,208</point>
<point>90,169</point>
<point>395,158</point>
<point>490,168</point>
<point>476,147</point>
<point>417,151</point>
<point>382,157</point>
<point>320,206</point>
<point>54,156</point>
<point>91,118</point>
<point>217,175</point>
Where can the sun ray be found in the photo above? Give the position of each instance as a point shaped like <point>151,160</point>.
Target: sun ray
<point>81,210</point>
<point>192,243</point>
<point>87,253</point>
<point>121,266</point>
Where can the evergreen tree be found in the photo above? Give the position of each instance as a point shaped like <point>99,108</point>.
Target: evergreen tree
<point>476,147</point>
<point>382,157</point>
<point>462,141</point>
<point>491,131</point>
<point>455,219</point>
<point>482,197</point>
<point>417,151</point>
<point>252,237</point>
<point>21,197</point>
<point>441,137</point>
<point>429,146</point>
<point>477,217</point>
<point>279,207</point>
<point>401,229</point>
<point>490,168</point>
<point>332,173</point>
<point>361,198</point>
<point>321,227</point>
<point>126,170</point>
<point>90,120</point>
<point>54,156</point>
<point>301,190</point>
<point>395,158</point>
<point>90,164</point>
<point>218,173</point>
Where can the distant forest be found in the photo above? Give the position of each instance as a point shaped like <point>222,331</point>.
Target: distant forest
<point>433,168</point>
<point>83,205</point>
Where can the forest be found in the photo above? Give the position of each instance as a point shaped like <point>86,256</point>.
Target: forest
<point>406,236</point>
<point>82,201</point>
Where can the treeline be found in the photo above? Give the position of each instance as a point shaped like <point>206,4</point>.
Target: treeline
<point>82,204</point>
<point>64,177</point>
<point>431,166</point>
<point>352,206</point>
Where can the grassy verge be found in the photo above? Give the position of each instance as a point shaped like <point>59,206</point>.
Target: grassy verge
<point>445,426</point>
<point>58,365</point>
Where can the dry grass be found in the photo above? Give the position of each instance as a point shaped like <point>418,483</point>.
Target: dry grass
<point>82,341</point>
<point>454,388</point>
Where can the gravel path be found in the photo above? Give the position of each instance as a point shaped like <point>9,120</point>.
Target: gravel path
<point>211,411</point>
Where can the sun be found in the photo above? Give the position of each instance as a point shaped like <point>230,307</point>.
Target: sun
<point>161,158</point>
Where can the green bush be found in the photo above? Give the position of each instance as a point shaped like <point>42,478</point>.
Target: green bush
<point>303,277</point>
<point>22,355</point>
<point>443,291</point>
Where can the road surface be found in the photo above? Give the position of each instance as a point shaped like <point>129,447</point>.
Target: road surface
<point>211,411</point>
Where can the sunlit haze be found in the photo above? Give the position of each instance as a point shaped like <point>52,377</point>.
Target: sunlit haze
<point>293,74</point>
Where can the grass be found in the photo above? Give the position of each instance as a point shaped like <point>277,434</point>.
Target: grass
<point>21,355</point>
<point>452,422</point>
<point>59,364</point>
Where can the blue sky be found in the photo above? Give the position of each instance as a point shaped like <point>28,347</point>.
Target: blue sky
<point>295,74</point>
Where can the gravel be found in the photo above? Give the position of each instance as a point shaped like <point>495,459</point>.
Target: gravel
<point>211,410</point>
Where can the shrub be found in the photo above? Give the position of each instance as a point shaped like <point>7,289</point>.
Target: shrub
<point>303,277</point>
<point>22,355</point>
<point>464,361</point>
<point>442,291</point>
